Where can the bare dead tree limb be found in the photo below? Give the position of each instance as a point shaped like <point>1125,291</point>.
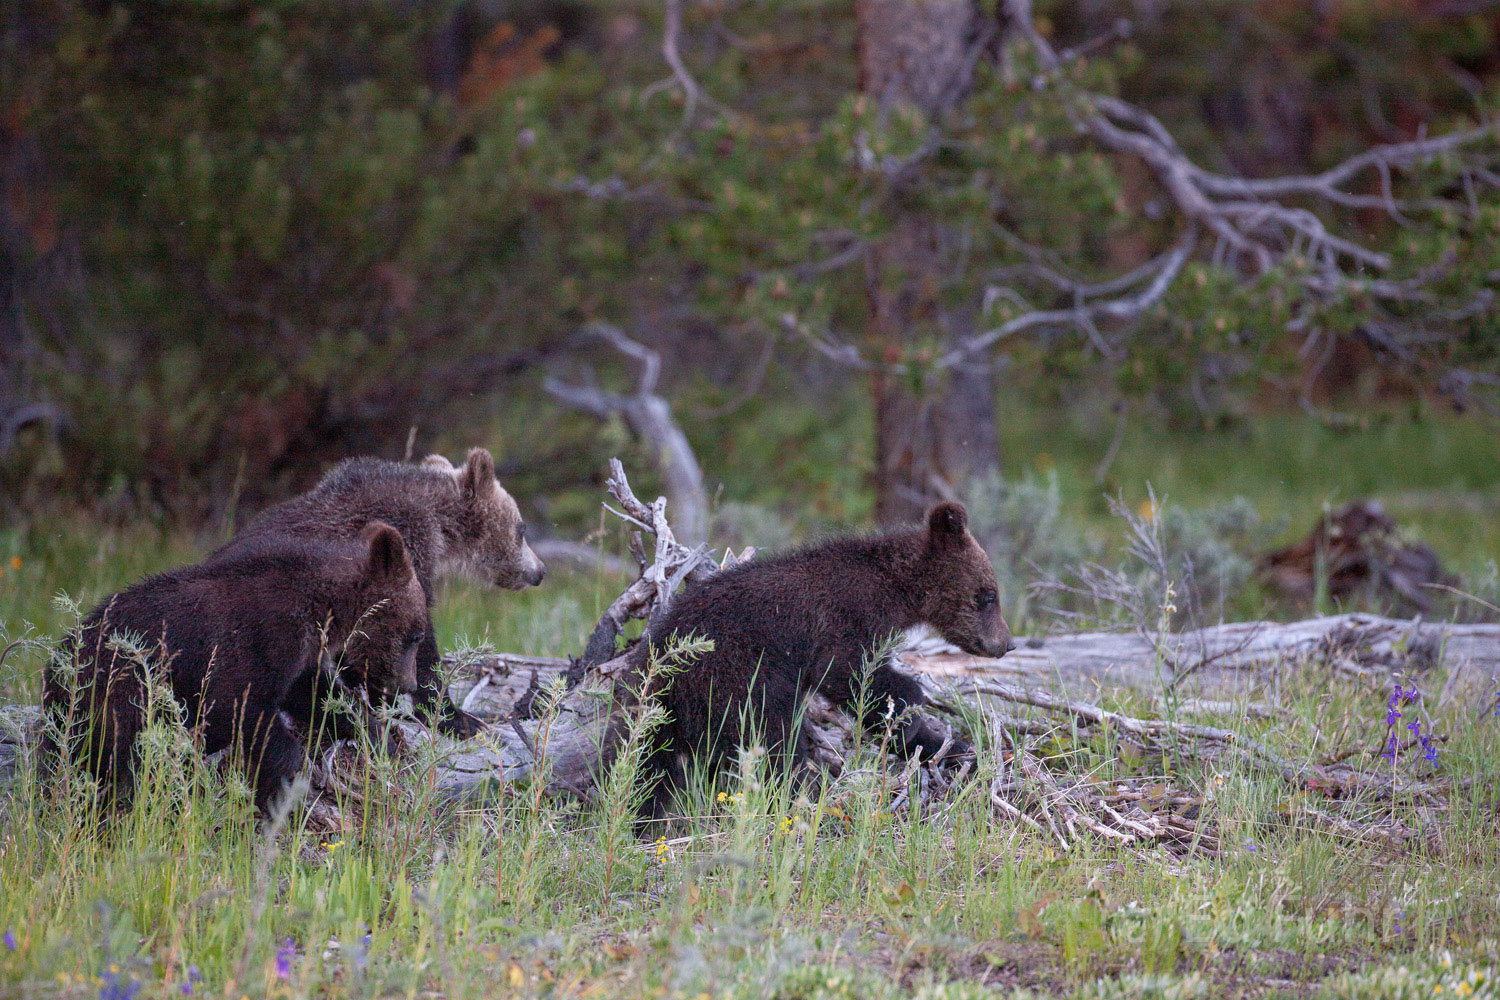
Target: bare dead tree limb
<point>1243,213</point>
<point>1163,271</point>
<point>24,416</point>
<point>1254,225</point>
<point>671,51</point>
<point>671,37</point>
<point>649,417</point>
<point>674,563</point>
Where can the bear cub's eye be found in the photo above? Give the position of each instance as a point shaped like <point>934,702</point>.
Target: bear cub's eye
<point>520,532</point>
<point>987,599</point>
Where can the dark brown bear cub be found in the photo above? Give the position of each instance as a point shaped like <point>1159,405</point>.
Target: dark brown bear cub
<point>456,520</point>
<point>246,645</point>
<point>808,621</point>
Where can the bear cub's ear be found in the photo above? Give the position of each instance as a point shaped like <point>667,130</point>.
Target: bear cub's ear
<point>479,472</point>
<point>947,520</point>
<point>388,556</point>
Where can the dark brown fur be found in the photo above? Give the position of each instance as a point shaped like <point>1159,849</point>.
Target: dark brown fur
<point>240,641</point>
<point>455,520</point>
<point>808,621</point>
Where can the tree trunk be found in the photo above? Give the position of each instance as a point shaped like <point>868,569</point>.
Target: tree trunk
<point>28,215</point>
<point>930,441</point>
<point>932,432</point>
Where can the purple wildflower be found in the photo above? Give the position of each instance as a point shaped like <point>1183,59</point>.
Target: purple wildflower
<point>114,988</point>
<point>1389,753</point>
<point>9,939</point>
<point>284,956</point>
<point>192,980</point>
<point>1396,923</point>
<point>1429,749</point>
<point>362,952</point>
<point>1415,725</point>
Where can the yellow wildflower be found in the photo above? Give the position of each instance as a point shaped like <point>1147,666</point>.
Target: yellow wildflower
<point>15,562</point>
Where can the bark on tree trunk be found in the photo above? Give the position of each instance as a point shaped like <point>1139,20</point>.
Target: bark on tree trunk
<point>931,441</point>
<point>931,433</point>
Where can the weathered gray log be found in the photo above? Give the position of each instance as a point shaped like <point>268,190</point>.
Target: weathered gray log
<point>17,730</point>
<point>1232,659</point>
<point>1225,661</point>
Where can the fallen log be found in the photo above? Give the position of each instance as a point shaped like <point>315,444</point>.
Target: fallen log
<point>1225,661</point>
<point>1233,659</point>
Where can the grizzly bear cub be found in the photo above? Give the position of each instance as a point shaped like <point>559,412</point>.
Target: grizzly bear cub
<point>808,621</point>
<point>455,520</point>
<point>247,645</point>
